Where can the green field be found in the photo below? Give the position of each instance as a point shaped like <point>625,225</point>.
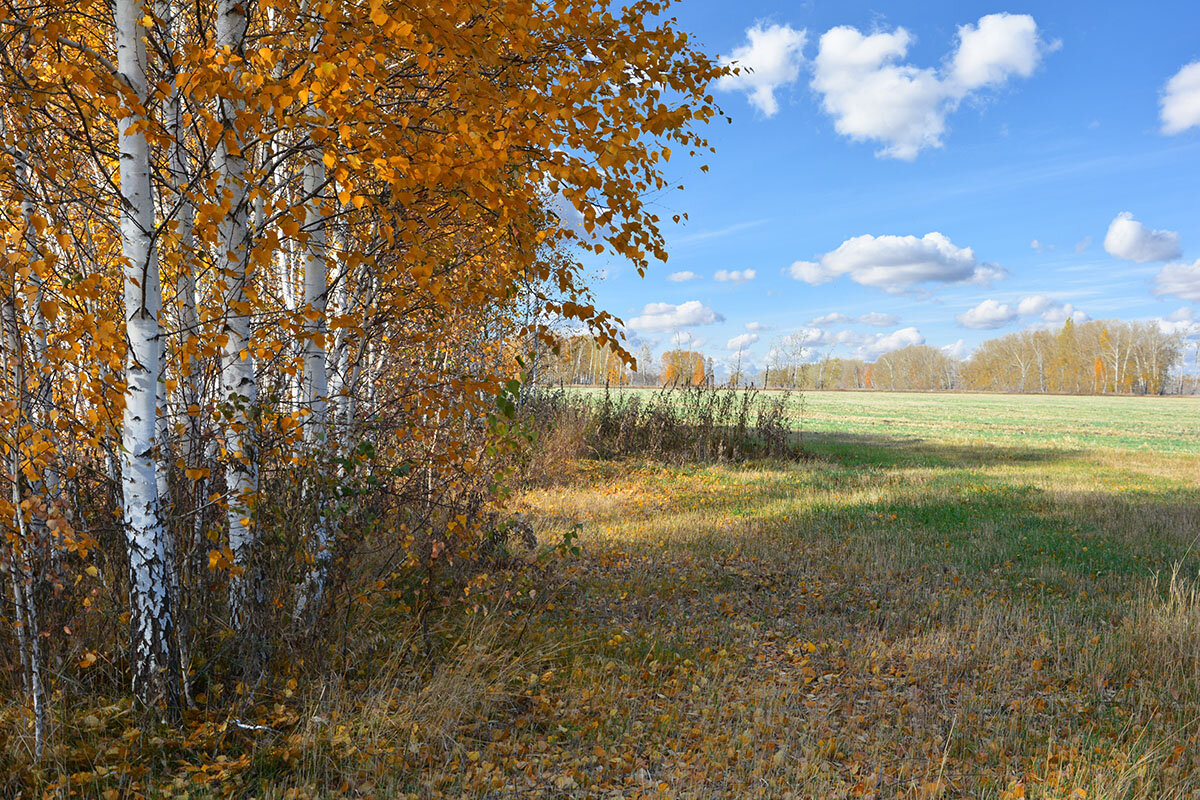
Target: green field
<point>1152,424</point>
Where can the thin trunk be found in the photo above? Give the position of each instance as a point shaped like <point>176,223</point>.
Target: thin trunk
<point>237,368</point>
<point>316,377</point>
<point>24,575</point>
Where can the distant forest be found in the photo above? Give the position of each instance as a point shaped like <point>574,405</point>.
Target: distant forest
<point>1095,357</point>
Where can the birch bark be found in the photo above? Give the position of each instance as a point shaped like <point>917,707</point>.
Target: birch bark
<point>237,364</point>
<point>151,613</point>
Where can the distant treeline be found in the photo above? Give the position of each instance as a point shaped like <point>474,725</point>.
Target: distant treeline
<point>1096,357</point>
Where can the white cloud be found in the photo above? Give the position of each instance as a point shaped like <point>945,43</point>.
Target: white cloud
<point>688,339</point>
<point>873,96</point>
<point>1185,328</point>
<point>1129,239</point>
<point>1179,279</point>
<point>1083,245</point>
<point>896,263</point>
<point>810,272</point>
<point>769,60</point>
<point>1182,321</point>
<point>1000,46</point>
<point>879,319</point>
<point>993,314</point>
<point>1034,304</point>
<point>1181,100</point>
<point>987,315</point>
<point>877,344</point>
<point>835,318</point>
<point>741,341</point>
<point>734,276</point>
<point>875,318</point>
<point>665,316</point>
<point>1058,314</point>
<point>682,277</point>
<point>1036,245</point>
<point>812,341</point>
<point>957,350</point>
<point>758,327</point>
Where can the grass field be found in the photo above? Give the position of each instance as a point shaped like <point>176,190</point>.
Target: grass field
<point>956,596</point>
<point>1153,424</point>
<point>950,596</point>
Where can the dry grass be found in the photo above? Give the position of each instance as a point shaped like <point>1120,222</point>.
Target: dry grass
<point>910,620</point>
<point>888,619</point>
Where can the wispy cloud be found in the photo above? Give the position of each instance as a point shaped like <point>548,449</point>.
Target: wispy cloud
<point>728,230</point>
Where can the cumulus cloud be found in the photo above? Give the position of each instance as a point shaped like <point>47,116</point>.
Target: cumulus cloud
<point>878,319</point>
<point>998,47</point>
<point>770,60</point>
<point>666,316</point>
<point>1034,304</point>
<point>1129,239</point>
<point>1058,314</point>
<point>957,350</point>
<point>1182,322</point>
<point>1179,279</point>
<point>741,341</point>
<point>897,263</point>
<point>810,272</point>
<point>993,314</point>
<point>758,327</point>
<point>1180,103</point>
<point>873,95</point>
<point>987,315</point>
<point>734,276</point>
<point>834,318</point>
<point>807,341</point>
<point>877,344</point>
<point>682,277</point>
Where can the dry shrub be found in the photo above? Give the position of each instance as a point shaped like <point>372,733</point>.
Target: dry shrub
<point>676,424</point>
<point>564,428</point>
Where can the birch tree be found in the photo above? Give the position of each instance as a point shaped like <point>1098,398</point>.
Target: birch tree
<point>151,619</point>
<point>238,385</point>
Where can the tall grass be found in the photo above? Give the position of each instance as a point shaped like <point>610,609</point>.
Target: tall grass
<point>674,425</point>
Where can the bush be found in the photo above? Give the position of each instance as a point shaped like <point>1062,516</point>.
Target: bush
<point>675,424</point>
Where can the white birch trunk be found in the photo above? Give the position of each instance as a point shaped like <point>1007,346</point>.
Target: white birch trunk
<point>237,367</point>
<point>316,376</point>
<point>151,602</point>
<point>22,572</point>
<point>316,379</point>
<point>182,211</point>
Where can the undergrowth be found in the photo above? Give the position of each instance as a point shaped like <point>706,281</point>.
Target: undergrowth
<point>675,425</point>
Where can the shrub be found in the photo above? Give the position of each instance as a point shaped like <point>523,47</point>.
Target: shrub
<point>675,424</point>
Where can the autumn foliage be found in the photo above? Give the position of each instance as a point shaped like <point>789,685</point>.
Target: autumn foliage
<point>264,267</point>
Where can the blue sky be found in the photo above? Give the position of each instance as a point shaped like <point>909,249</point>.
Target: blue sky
<point>943,183</point>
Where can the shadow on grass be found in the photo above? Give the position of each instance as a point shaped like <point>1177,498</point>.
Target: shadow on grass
<point>881,450</point>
